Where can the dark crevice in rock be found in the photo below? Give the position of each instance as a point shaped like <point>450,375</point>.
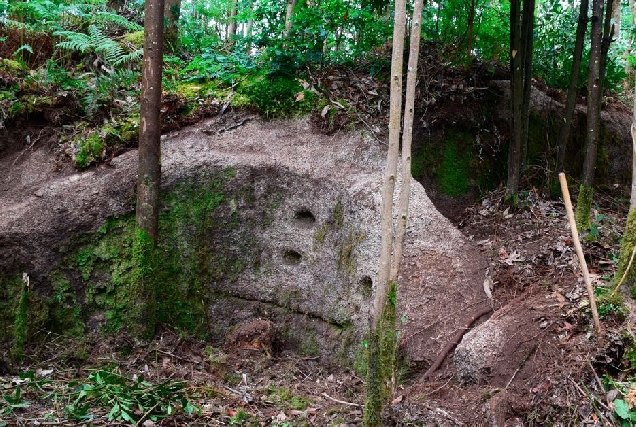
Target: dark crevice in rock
<point>305,218</point>
<point>291,257</point>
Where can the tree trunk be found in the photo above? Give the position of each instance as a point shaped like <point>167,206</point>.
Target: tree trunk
<point>142,300</point>
<point>570,103</point>
<point>616,17</point>
<point>584,205</point>
<point>231,26</point>
<point>632,201</point>
<point>171,13</point>
<point>378,383</point>
<point>516,88</point>
<point>608,34</point>
<point>407,138</point>
<point>527,29</point>
<point>471,29</point>
<point>291,5</point>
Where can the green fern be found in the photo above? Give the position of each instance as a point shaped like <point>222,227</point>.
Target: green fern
<point>118,20</point>
<point>45,15</point>
<point>98,43</point>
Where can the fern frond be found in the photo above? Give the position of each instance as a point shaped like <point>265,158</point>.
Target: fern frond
<point>15,24</point>
<point>75,41</point>
<point>130,57</point>
<point>113,18</point>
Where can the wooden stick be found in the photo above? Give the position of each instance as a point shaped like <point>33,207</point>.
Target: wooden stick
<point>579,250</point>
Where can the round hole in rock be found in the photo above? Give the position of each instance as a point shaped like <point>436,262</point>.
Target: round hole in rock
<point>366,286</point>
<point>291,257</point>
<point>305,217</point>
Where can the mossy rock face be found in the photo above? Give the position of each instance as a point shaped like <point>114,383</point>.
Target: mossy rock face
<point>257,219</point>
<point>456,162</point>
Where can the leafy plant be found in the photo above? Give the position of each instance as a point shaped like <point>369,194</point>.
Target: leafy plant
<point>95,41</point>
<point>12,401</point>
<point>131,400</point>
<point>279,96</point>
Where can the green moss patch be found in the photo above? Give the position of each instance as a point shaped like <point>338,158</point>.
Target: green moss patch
<point>107,272</point>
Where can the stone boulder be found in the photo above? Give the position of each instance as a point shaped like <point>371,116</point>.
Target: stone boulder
<point>283,225</point>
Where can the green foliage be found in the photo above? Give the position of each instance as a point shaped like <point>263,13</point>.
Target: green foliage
<point>608,305</point>
<point>12,401</point>
<point>46,15</point>
<point>448,25</point>
<point>98,43</point>
<point>128,400</point>
<point>89,150</point>
<point>278,96</point>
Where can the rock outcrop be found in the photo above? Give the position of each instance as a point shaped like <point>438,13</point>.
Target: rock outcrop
<point>295,242</point>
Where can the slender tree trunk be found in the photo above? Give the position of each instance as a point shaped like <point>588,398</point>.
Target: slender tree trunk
<point>516,87</point>
<point>608,35</point>
<point>632,201</point>
<point>616,17</point>
<point>584,205</point>
<point>527,29</point>
<point>407,138</point>
<point>379,377</point>
<point>570,103</point>
<point>171,13</point>
<point>231,26</point>
<point>142,301</point>
<point>289,14</point>
<point>471,29</point>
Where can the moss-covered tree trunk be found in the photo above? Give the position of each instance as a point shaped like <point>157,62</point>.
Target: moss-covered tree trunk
<point>141,302</point>
<point>570,103</point>
<point>627,247</point>
<point>584,205</point>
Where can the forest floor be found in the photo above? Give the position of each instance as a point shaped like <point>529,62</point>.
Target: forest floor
<point>535,275</point>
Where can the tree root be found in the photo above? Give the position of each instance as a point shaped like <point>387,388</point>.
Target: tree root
<point>454,341</point>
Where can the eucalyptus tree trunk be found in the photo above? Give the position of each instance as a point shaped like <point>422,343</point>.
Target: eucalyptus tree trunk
<point>381,333</point>
<point>142,295</point>
<point>570,104</point>
<point>516,98</point>
<point>584,205</point>
<point>171,13</point>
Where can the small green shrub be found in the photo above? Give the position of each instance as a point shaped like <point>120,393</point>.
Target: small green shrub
<point>90,150</point>
<point>279,96</point>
